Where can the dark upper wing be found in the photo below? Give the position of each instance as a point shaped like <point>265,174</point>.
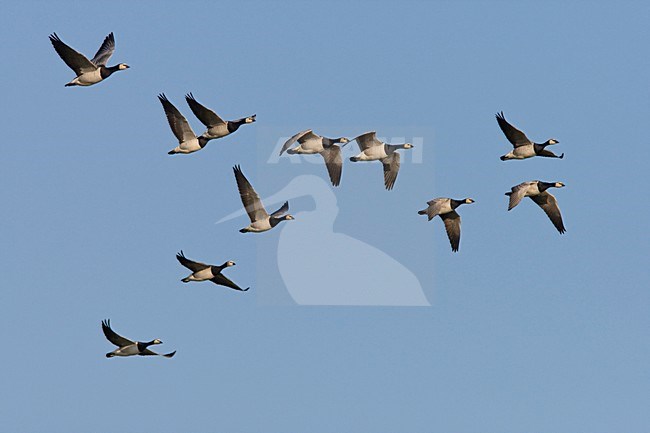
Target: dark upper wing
<point>208,117</point>
<point>190,264</point>
<point>334,163</point>
<point>293,139</point>
<point>368,139</point>
<point>177,122</point>
<point>147,352</point>
<point>74,59</point>
<point>514,136</point>
<point>222,280</point>
<point>283,209</point>
<point>249,197</point>
<point>114,338</point>
<point>549,204</point>
<point>452,225</point>
<point>391,168</point>
<point>105,51</point>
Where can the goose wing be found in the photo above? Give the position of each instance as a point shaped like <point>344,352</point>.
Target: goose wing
<point>436,207</point>
<point>283,209</point>
<point>177,122</point>
<point>147,352</point>
<point>293,139</point>
<point>391,168</point>
<point>105,51</point>
<point>74,59</point>
<point>548,203</point>
<point>452,225</point>
<point>113,337</point>
<point>190,264</point>
<point>334,163</point>
<point>208,117</point>
<point>517,193</point>
<point>222,280</point>
<point>367,140</point>
<point>514,136</point>
<point>249,197</point>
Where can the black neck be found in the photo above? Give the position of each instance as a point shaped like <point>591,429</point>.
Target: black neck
<point>106,71</point>
<point>234,125</point>
<point>543,186</point>
<point>455,203</point>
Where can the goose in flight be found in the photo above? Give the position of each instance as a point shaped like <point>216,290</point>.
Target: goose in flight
<point>126,347</point>
<point>92,71</point>
<point>261,221</point>
<point>310,143</point>
<point>374,150</point>
<point>203,272</point>
<point>446,209</point>
<point>217,127</point>
<point>523,147</point>
<point>188,142</point>
<point>537,191</point>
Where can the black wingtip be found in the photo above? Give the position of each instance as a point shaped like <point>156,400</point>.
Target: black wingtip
<point>561,156</point>
<point>169,355</point>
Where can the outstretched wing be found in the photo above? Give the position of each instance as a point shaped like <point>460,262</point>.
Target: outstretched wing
<point>548,203</point>
<point>190,264</point>
<point>113,337</point>
<point>222,280</point>
<point>334,163</point>
<point>249,197</point>
<point>74,59</point>
<point>178,123</point>
<point>452,225</point>
<point>367,140</point>
<point>391,168</point>
<point>293,139</point>
<point>105,51</point>
<point>208,117</point>
<point>514,136</point>
<point>147,352</point>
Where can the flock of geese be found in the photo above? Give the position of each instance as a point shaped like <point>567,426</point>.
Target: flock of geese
<point>92,71</point>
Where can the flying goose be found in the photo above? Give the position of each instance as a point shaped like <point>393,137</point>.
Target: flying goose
<point>311,143</point>
<point>188,142</point>
<point>523,146</point>
<point>446,208</point>
<point>374,150</point>
<point>261,221</point>
<point>203,272</point>
<point>217,127</point>
<point>537,191</point>
<point>126,347</point>
<point>92,71</point>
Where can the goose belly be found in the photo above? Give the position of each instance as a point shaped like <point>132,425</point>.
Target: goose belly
<point>203,274</point>
<point>127,351</point>
<point>88,78</point>
<point>189,146</point>
<point>311,147</point>
<point>217,131</point>
<point>523,152</point>
<point>372,154</point>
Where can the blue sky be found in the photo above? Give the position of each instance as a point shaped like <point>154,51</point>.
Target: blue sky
<point>527,330</point>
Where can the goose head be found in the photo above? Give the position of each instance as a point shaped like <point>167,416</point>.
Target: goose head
<point>250,119</point>
<point>408,146</point>
<point>551,141</point>
<point>559,185</point>
<point>228,264</point>
<point>122,66</point>
<point>468,201</point>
